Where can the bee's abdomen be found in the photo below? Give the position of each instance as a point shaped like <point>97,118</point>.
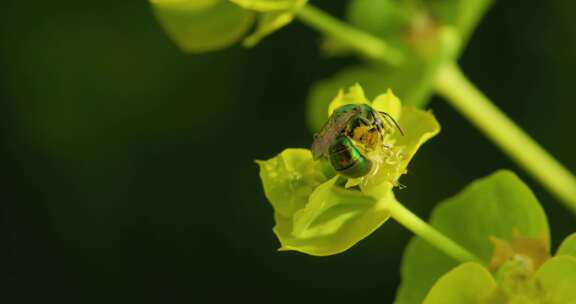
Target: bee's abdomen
<point>347,159</point>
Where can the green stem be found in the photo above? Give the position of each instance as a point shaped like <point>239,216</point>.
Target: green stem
<point>466,98</point>
<point>377,49</point>
<point>470,102</point>
<point>364,43</point>
<point>422,229</point>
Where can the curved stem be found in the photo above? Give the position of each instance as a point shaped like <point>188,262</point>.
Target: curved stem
<point>470,102</point>
<point>362,42</point>
<point>422,229</point>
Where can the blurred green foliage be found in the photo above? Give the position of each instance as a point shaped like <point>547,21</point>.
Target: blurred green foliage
<point>210,25</point>
<point>116,146</point>
<point>493,206</point>
<point>467,283</point>
<point>471,283</point>
<point>568,246</point>
<point>205,25</point>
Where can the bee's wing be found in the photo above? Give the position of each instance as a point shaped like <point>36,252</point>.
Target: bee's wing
<point>323,139</point>
<point>329,132</point>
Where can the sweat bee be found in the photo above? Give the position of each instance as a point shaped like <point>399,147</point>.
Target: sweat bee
<point>349,131</point>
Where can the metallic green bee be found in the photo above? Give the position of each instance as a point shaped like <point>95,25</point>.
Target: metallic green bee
<point>350,127</point>
<point>347,159</point>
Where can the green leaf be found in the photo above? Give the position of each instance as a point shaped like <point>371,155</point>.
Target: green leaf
<point>412,81</point>
<point>557,279</point>
<point>268,5</point>
<point>198,26</point>
<point>490,207</point>
<point>275,14</point>
<point>471,283</point>
<point>568,246</point>
<point>333,221</point>
<point>421,266</point>
<point>314,215</point>
<point>267,24</point>
<point>468,283</point>
<point>289,179</point>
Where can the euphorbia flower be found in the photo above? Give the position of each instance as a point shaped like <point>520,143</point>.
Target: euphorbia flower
<point>501,221</point>
<point>527,275</point>
<point>318,214</point>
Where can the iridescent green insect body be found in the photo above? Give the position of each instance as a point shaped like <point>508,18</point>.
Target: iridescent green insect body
<point>347,136</point>
<point>347,159</point>
<point>337,124</point>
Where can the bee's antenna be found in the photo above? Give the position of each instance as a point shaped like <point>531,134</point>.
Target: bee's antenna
<point>394,122</point>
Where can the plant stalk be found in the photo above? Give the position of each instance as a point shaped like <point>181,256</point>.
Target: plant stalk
<point>362,42</point>
<point>453,85</point>
<point>422,229</point>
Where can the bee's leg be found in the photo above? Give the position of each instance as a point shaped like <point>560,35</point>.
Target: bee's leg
<point>368,123</point>
<point>378,124</point>
<point>365,121</point>
<point>380,129</point>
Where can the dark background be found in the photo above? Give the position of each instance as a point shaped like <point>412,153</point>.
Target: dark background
<point>128,171</point>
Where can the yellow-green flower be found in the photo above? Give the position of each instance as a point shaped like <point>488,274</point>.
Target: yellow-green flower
<point>315,212</point>
<point>393,162</point>
<point>527,275</point>
<point>499,219</point>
